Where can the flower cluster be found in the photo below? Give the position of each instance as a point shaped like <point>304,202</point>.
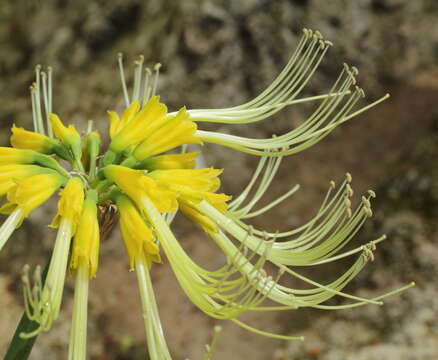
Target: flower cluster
<point>146,176</point>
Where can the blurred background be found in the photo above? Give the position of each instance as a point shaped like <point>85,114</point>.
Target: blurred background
<point>223,53</point>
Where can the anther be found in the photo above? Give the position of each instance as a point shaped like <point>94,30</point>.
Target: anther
<point>349,190</point>
<point>371,193</point>
<point>332,184</point>
<point>366,202</point>
<point>360,91</point>
<point>368,212</point>
<point>348,177</point>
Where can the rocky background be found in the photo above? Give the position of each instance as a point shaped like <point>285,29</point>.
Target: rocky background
<point>222,53</point>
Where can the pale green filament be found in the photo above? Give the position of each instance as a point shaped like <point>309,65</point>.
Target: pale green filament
<point>41,92</point>
<point>157,346</point>
<point>9,226</point>
<point>43,305</point>
<point>142,89</point>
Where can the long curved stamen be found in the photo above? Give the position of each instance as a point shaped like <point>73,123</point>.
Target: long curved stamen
<point>44,308</point>
<point>158,349</point>
<point>9,226</point>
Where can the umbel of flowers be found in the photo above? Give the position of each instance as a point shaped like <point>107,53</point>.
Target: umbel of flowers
<point>147,175</point>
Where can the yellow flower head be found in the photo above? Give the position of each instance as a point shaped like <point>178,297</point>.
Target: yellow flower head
<point>24,139</point>
<point>171,161</point>
<point>70,204</point>
<point>137,236</point>
<point>31,192</point>
<point>136,185</point>
<point>68,136</point>
<point>10,175</point>
<point>167,134</point>
<point>87,238</point>
<point>132,129</point>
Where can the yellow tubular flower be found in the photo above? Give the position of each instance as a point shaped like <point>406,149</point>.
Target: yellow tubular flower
<point>10,155</point>
<point>136,185</point>
<point>151,116</point>
<point>117,124</point>
<point>10,174</point>
<point>70,204</point>
<point>176,131</point>
<point>24,139</point>
<point>137,236</point>
<point>68,136</point>
<point>86,240</point>
<point>193,186</point>
<point>199,179</point>
<point>31,192</point>
<point>84,261</point>
<point>171,161</point>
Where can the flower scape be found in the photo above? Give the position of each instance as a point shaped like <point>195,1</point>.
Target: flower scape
<point>145,176</point>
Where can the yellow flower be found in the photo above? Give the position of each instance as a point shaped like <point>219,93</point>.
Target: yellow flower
<point>180,179</point>
<point>171,161</point>
<point>70,204</point>
<point>86,241</point>
<point>152,115</point>
<point>68,136</point>
<point>31,192</point>
<point>117,124</point>
<point>136,185</point>
<point>193,185</point>
<point>10,155</point>
<point>11,174</point>
<point>24,139</point>
<point>137,236</point>
<point>166,135</point>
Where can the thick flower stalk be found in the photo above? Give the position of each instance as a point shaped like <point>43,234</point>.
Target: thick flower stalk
<point>146,176</point>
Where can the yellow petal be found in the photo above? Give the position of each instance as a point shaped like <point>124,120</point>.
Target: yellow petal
<point>136,185</point>
<point>171,161</point>
<point>176,131</point>
<point>137,128</point>
<point>11,174</point>
<point>87,238</point>
<point>137,236</point>
<point>70,204</point>
<point>67,135</point>
<point>196,179</point>
<point>31,192</point>
<point>9,155</point>
<point>24,139</point>
<point>203,221</point>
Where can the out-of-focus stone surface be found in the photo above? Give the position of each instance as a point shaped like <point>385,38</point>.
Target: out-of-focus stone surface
<point>222,53</point>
